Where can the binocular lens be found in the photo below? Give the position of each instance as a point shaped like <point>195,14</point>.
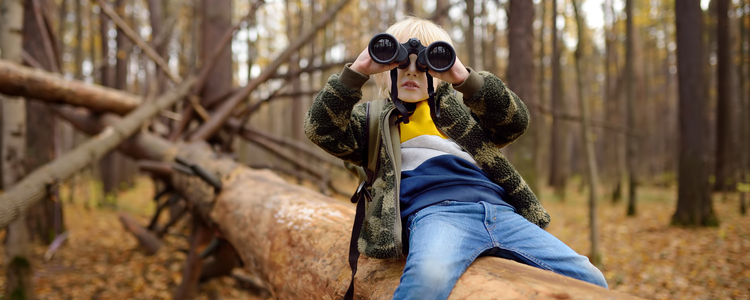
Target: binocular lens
<point>383,50</point>
<point>440,57</point>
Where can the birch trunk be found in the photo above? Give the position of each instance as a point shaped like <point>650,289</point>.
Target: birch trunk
<point>12,154</point>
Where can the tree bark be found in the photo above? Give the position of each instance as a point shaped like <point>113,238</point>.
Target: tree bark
<point>34,186</point>
<point>542,131</point>
<point>694,206</point>
<point>19,284</point>
<point>521,72</point>
<point>612,171</point>
<point>558,145</point>
<point>40,145</point>
<point>217,16</point>
<point>592,176</point>
<point>469,34</point>
<point>726,158</point>
<point>745,117</point>
<point>631,144</point>
<point>157,30</point>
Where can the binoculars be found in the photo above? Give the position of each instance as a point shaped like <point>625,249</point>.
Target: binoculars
<point>438,56</point>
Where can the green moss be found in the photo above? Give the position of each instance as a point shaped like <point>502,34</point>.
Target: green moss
<point>20,263</point>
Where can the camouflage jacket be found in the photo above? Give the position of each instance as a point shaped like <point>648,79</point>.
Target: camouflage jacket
<point>489,118</point>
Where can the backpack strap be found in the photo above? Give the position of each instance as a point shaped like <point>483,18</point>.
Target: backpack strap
<point>362,194</point>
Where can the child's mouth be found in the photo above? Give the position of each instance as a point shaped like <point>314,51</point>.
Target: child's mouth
<point>410,85</point>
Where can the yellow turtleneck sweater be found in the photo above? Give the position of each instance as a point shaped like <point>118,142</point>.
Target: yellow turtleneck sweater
<point>420,123</point>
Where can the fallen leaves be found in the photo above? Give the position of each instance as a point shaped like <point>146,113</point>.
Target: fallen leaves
<point>646,257</point>
<point>101,260</point>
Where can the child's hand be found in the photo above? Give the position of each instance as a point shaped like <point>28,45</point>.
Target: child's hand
<point>456,75</point>
<point>366,66</point>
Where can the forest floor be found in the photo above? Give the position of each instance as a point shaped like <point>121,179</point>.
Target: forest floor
<point>641,255</point>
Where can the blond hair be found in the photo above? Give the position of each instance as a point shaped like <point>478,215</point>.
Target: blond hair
<point>411,27</point>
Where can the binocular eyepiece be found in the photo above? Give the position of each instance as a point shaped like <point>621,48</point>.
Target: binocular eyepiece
<point>438,56</point>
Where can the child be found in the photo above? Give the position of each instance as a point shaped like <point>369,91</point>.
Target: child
<point>443,178</point>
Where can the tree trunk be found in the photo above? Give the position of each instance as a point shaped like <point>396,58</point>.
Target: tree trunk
<point>521,80</point>
<point>297,109</point>
<point>588,144</point>
<point>631,144</point>
<point>105,70</point>
<point>217,18</point>
<point>40,146</point>
<point>157,29</point>
<point>726,159</point>
<point>542,132</point>
<point>124,46</point>
<point>441,13</point>
<point>469,34</point>
<point>612,105</point>
<point>694,206</point>
<point>107,79</point>
<point>558,144</point>
<point>19,284</point>
<point>745,101</point>
<point>78,50</point>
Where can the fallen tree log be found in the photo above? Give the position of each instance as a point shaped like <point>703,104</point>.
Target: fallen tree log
<point>296,240</point>
<point>17,80</point>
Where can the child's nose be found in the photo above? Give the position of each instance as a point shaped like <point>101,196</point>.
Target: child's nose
<point>412,69</point>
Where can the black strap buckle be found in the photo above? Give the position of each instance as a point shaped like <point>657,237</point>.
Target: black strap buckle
<point>362,191</point>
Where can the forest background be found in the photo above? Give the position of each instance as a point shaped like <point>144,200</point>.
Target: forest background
<point>638,144</point>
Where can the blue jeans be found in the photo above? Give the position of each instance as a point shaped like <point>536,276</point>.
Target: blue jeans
<point>445,238</point>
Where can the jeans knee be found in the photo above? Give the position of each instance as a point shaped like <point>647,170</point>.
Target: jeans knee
<point>434,274</point>
<point>596,276</point>
<point>428,280</point>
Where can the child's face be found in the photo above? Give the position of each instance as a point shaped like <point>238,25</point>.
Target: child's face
<point>412,83</point>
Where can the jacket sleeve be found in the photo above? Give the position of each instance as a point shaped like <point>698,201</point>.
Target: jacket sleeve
<point>502,115</point>
<point>334,123</point>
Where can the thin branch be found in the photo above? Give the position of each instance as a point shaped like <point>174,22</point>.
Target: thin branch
<point>285,142</point>
<point>150,52</point>
<point>576,118</point>
<point>310,69</point>
<point>280,152</point>
<point>244,117</point>
<point>195,103</point>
